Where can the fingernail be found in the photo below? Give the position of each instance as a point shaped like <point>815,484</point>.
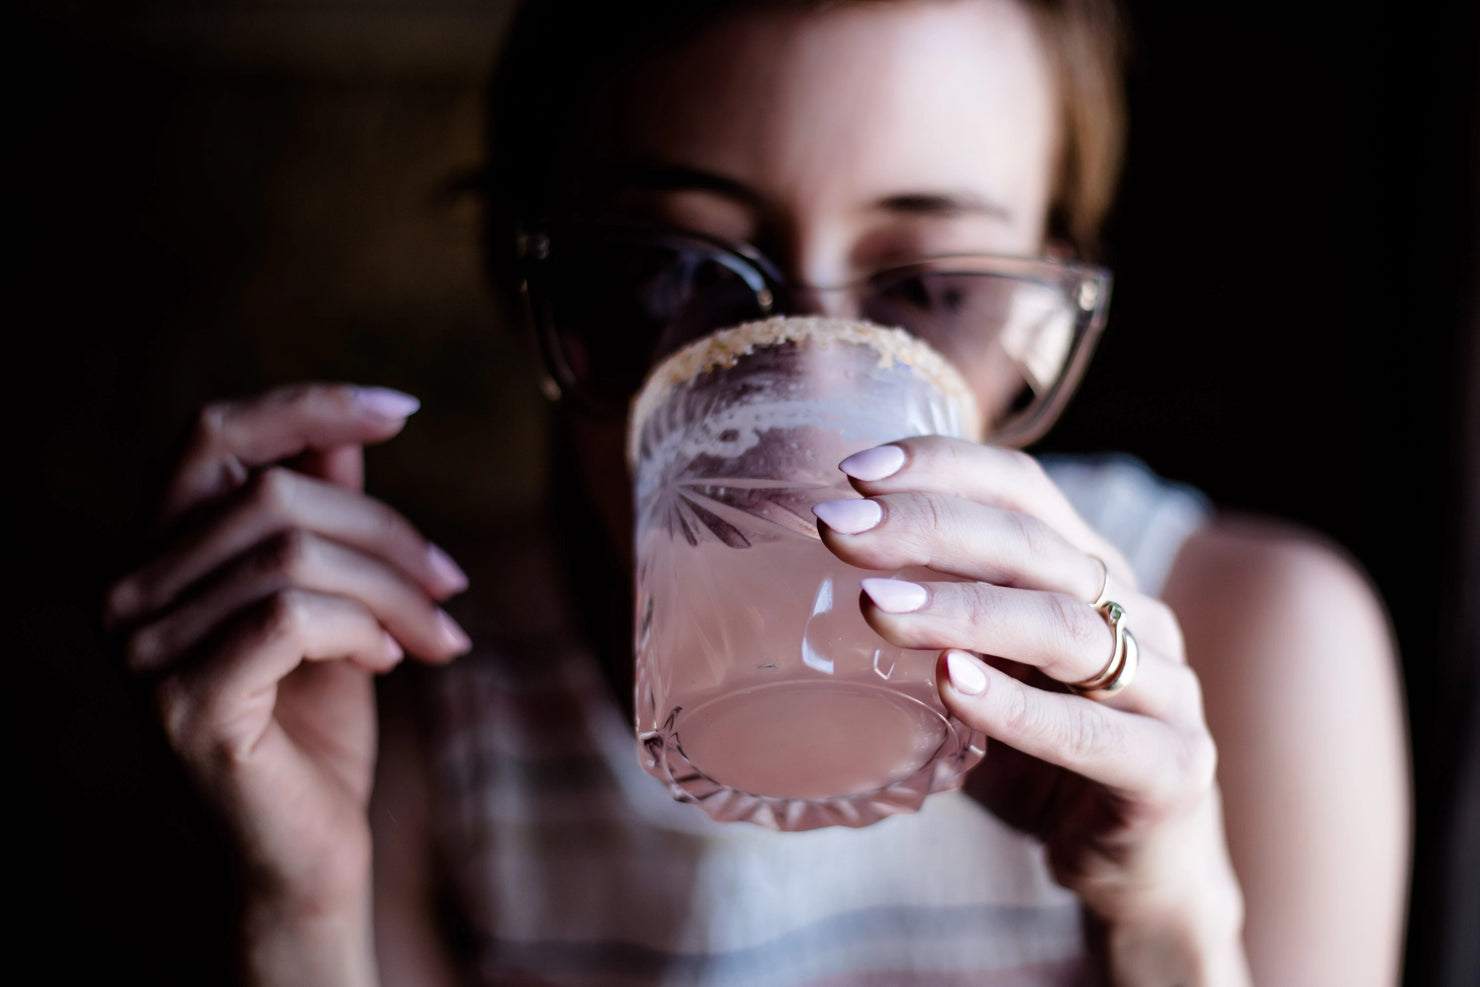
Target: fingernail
<point>849,517</point>
<point>453,635</point>
<point>386,402</point>
<point>895,595</point>
<point>448,572</point>
<point>965,673</point>
<point>392,648</point>
<point>873,464</point>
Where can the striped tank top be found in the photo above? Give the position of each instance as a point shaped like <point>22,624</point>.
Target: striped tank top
<point>570,865</point>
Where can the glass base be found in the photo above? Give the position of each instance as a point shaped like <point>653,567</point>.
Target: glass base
<point>805,754</point>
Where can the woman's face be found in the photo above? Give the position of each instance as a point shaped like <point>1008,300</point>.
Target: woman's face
<point>840,141</point>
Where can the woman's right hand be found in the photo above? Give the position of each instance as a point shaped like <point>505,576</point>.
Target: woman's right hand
<point>275,592</point>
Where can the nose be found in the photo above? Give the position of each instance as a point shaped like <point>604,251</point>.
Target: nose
<point>832,303</point>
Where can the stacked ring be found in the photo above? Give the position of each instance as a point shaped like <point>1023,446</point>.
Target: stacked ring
<point>1125,658</point>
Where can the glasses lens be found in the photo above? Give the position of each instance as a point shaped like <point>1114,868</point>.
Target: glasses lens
<point>1016,339</point>
<point>616,302</point>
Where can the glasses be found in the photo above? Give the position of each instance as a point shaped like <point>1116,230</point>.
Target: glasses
<point>609,301</point>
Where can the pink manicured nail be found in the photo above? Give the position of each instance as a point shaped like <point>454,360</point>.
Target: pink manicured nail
<point>392,648</point>
<point>895,595</point>
<point>453,635</point>
<point>448,572</point>
<point>385,402</point>
<point>849,517</point>
<point>873,464</point>
<point>965,673</point>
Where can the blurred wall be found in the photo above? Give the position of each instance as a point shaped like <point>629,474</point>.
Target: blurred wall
<point>234,195</point>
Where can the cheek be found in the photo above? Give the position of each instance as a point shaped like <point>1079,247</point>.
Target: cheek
<point>997,383</point>
<point>1027,354</point>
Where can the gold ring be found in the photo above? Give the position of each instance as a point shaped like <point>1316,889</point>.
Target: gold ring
<point>1127,670</point>
<point>1125,658</point>
<point>1101,597</point>
<point>1114,615</point>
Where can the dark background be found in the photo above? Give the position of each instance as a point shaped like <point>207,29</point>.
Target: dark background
<point>214,197</point>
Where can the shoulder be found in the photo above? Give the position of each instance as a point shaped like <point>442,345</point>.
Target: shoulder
<point>1270,557</point>
<point>1279,620</point>
<point>1260,579</point>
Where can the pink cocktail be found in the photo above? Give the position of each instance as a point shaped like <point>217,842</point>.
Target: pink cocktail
<point>762,694</point>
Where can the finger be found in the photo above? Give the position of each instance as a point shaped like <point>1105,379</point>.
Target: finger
<point>274,636</point>
<point>227,699</point>
<point>958,537</point>
<point>343,466</point>
<point>1155,759</point>
<point>276,500</point>
<point>298,560</point>
<point>232,438</point>
<point>1067,639</point>
<point>1004,478</point>
<point>1064,638</point>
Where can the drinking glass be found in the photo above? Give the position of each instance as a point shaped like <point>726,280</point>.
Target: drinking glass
<point>761,693</point>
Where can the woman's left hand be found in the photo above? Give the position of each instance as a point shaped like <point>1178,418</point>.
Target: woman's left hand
<point>1120,789</point>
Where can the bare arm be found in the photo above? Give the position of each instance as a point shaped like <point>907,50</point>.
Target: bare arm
<point>1303,700</point>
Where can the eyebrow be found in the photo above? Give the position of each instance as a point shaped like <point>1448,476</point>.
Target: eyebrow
<point>957,203</point>
<point>667,177</point>
<point>664,177</point>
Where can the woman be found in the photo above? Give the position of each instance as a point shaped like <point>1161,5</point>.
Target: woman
<point>1236,814</point>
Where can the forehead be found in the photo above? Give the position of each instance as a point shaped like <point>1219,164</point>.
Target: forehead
<point>855,100</point>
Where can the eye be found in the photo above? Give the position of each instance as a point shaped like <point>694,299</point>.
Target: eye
<point>683,294</point>
<point>613,301</point>
<point>662,280</point>
<point>936,304</point>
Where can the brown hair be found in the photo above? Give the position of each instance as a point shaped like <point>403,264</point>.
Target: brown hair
<point>1085,40</point>
<point>560,54</point>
